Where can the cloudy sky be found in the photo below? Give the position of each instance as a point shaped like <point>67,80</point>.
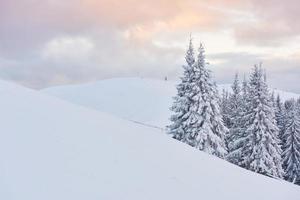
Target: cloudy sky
<point>52,42</point>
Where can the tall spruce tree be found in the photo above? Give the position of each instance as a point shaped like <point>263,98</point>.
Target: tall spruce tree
<point>236,130</point>
<point>261,150</point>
<point>208,133</point>
<point>291,146</point>
<point>197,120</point>
<point>235,101</point>
<point>224,106</point>
<point>238,144</point>
<point>280,117</point>
<point>288,107</point>
<point>183,101</point>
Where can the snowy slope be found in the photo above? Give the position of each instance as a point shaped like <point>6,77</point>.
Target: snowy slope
<point>51,149</point>
<point>143,100</point>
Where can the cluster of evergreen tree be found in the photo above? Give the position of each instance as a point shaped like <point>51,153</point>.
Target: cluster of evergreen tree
<point>288,120</point>
<point>264,133</point>
<point>253,140</point>
<point>247,126</point>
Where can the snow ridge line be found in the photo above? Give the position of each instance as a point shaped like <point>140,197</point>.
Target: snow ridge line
<point>147,125</point>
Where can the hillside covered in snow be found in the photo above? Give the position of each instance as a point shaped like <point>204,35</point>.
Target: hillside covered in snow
<point>141,100</point>
<point>51,149</point>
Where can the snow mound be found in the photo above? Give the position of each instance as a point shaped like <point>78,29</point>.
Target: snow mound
<point>142,100</point>
<point>51,149</point>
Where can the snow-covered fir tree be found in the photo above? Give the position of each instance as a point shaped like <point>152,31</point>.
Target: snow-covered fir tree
<point>236,130</point>
<point>224,106</point>
<point>245,93</point>
<point>273,100</point>
<point>280,117</point>
<point>260,143</point>
<point>183,100</point>
<point>229,103</point>
<point>291,146</point>
<point>208,132</point>
<point>238,135</point>
<point>197,120</point>
<point>288,107</point>
<point>235,101</point>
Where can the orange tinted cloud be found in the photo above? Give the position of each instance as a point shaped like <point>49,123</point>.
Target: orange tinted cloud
<point>176,14</point>
<point>155,30</point>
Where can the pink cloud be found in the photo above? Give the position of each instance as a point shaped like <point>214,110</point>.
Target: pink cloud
<point>125,29</point>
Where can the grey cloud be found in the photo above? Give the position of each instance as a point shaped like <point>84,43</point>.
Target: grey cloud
<point>111,57</point>
<point>274,23</point>
<point>282,73</point>
<point>26,26</point>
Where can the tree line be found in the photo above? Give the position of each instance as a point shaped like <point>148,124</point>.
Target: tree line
<point>248,126</point>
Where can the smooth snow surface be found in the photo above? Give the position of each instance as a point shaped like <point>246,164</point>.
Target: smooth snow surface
<point>53,150</point>
<point>142,100</point>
